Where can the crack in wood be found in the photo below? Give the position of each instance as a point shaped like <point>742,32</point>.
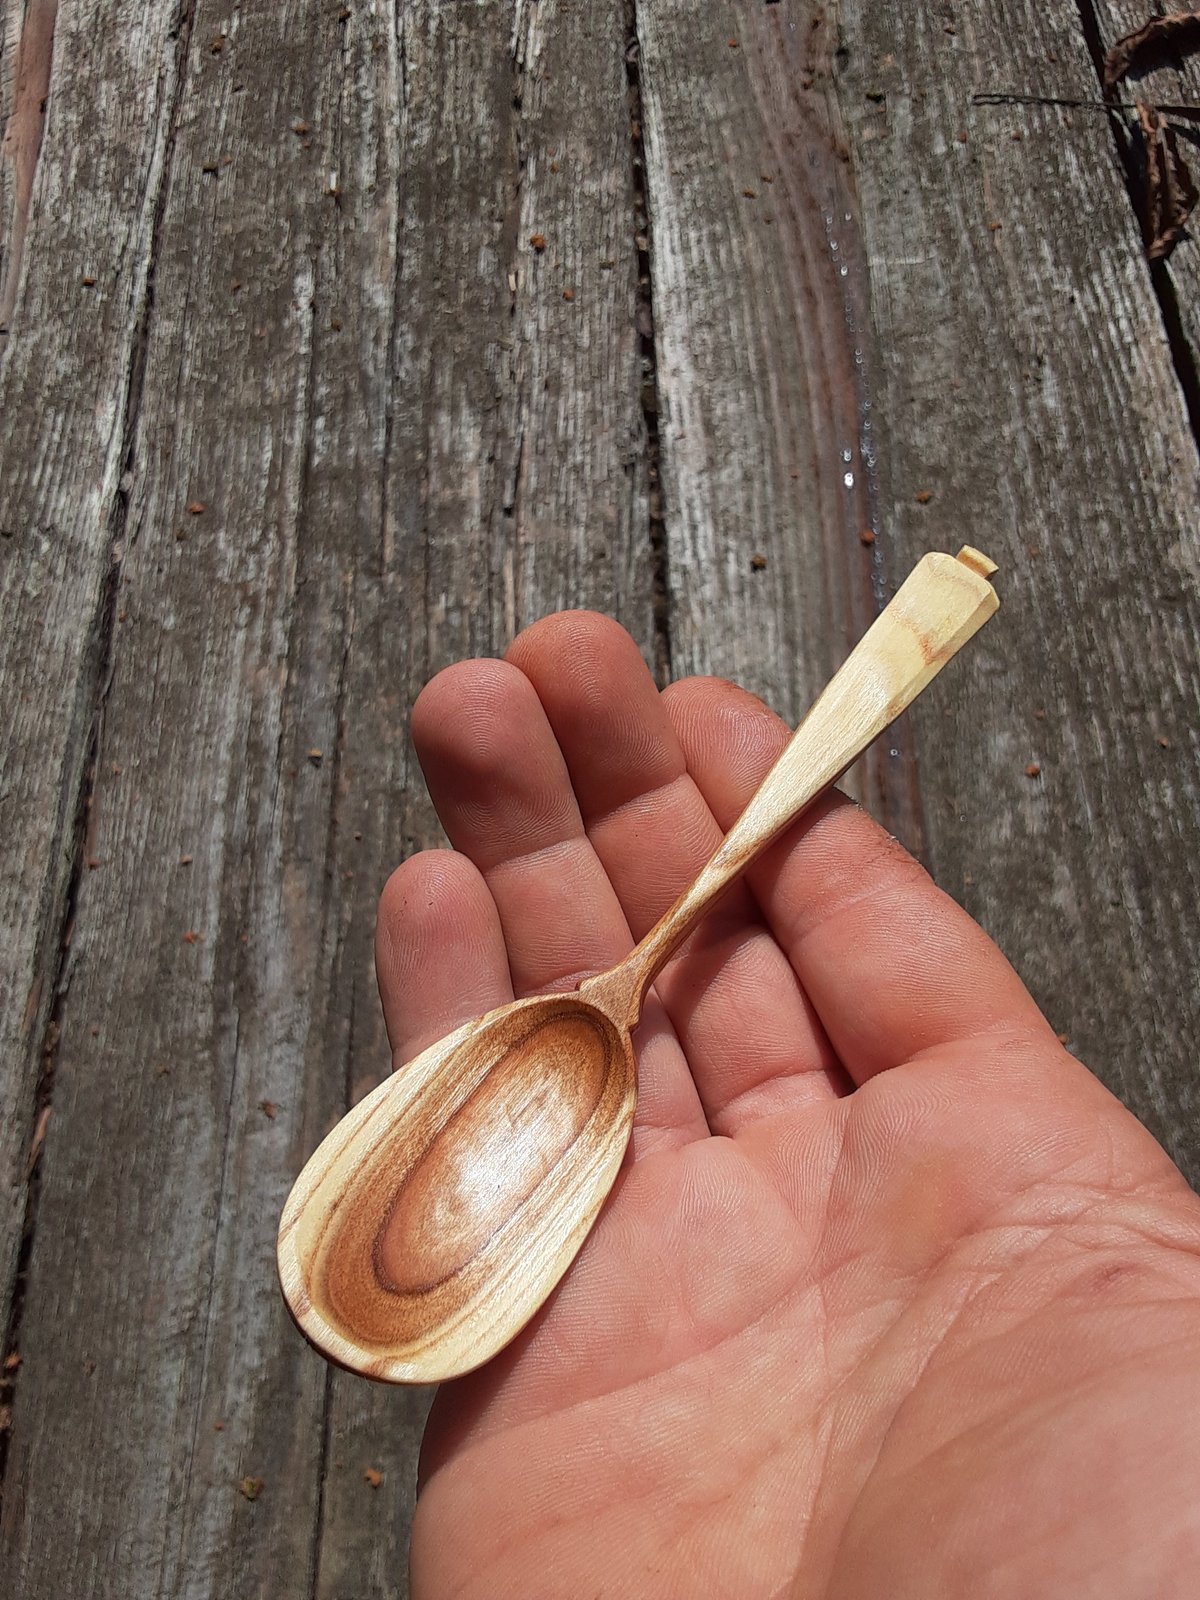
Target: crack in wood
<point>42,1100</point>
<point>504,534</point>
<point>660,570</point>
<point>323,1449</point>
<point>400,45</point>
<point>1183,357</point>
<point>511,502</point>
<point>340,723</point>
<point>207,1337</point>
<point>322,1478</point>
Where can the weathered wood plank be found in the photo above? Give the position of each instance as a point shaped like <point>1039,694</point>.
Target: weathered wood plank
<point>516,476</point>
<point>1176,281</point>
<point>11,19</point>
<point>399,460</point>
<point>26,46</point>
<point>161,1169</point>
<point>515,484</point>
<point>759,380</point>
<point>765,427</point>
<point>1070,438</point>
<point>1018,390</point>
<point>67,393</point>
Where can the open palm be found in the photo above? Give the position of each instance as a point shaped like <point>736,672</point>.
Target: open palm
<point>891,1297</point>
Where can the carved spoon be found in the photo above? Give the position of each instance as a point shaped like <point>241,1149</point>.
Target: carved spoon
<point>440,1213</point>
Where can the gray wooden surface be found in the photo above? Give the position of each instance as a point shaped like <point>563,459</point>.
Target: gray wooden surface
<point>316,314</point>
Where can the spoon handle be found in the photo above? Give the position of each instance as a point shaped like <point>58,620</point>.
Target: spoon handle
<point>944,600</point>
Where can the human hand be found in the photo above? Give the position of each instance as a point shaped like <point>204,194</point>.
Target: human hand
<point>891,1296</point>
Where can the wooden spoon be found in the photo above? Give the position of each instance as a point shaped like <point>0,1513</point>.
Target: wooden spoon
<point>439,1214</point>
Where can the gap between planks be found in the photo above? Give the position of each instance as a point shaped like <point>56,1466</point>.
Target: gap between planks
<point>643,223</point>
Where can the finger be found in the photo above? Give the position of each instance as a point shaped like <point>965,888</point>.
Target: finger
<point>439,950</point>
<point>750,1036</point>
<point>502,791</point>
<point>893,965</point>
<point>504,797</point>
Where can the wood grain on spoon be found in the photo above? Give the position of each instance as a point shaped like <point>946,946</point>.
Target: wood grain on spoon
<point>473,1176</point>
<point>441,1212</point>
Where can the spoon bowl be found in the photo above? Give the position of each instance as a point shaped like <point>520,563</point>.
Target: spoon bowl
<point>440,1213</point>
<point>452,1199</point>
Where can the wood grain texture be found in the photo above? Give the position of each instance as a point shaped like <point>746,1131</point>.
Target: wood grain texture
<point>768,430</point>
<point>338,373</point>
<point>67,395</point>
<point>759,370</point>
<point>438,1216</point>
<point>10,37</point>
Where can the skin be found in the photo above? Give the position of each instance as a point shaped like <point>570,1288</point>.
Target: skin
<point>891,1298</point>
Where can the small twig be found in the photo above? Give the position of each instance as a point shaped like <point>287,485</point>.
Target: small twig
<point>1006,99</point>
<point>1003,98</point>
<point>1189,111</point>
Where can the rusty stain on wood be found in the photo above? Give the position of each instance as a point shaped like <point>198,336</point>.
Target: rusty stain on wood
<point>22,139</point>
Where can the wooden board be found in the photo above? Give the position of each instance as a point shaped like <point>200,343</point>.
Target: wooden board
<point>1017,389</point>
<point>399,458</point>
<point>1069,435</point>
<point>407,442</point>
<point>767,436</point>
<point>69,392</point>
<point>760,379</point>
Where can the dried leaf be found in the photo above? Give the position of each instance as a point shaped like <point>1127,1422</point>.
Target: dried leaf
<point>1157,43</point>
<point>1170,191</point>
